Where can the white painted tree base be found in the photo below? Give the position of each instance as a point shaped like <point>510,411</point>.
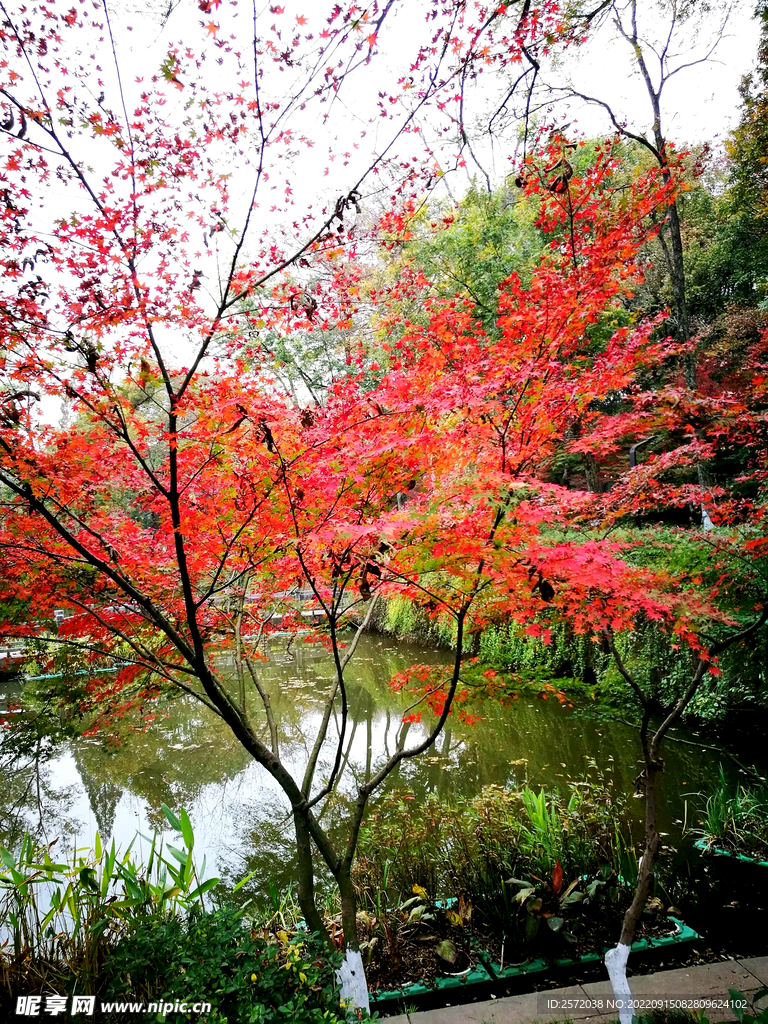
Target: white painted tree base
<point>616,963</point>
<point>354,987</point>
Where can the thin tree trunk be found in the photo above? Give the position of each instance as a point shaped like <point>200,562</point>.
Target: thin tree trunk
<point>616,958</point>
<point>348,905</point>
<point>591,472</point>
<point>306,876</point>
<point>352,972</point>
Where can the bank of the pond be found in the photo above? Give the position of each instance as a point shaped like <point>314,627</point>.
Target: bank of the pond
<point>731,707</point>
<point>512,751</point>
<point>189,758</point>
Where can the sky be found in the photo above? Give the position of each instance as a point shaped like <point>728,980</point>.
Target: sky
<point>700,103</point>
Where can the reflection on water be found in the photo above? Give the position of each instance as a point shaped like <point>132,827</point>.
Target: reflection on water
<point>189,758</point>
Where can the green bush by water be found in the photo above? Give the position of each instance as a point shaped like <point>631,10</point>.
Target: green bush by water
<point>435,844</point>
<point>62,915</point>
<point>497,850</point>
<point>101,922</point>
<point>247,976</point>
<point>404,619</point>
<point>736,819</point>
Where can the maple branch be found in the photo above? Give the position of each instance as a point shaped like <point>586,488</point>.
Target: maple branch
<point>24,490</point>
<point>620,127</point>
<point>126,118</point>
<point>124,434</point>
<point>624,671</point>
<point>309,773</point>
<point>265,699</point>
<point>63,151</point>
<point>341,688</point>
<point>701,669</point>
<point>144,653</point>
<point>254,286</point>
<point>399,755</point>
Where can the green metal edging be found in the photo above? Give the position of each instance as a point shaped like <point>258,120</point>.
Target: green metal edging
<point>683,934</point>
<point>476,976</point>
<point>707,847</point>
<point>495,972</point>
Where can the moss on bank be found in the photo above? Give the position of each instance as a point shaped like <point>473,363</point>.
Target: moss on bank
<point>403,619</point>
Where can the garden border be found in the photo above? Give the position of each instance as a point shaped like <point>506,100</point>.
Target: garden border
<point>707,847</point>
<point>486,970</point>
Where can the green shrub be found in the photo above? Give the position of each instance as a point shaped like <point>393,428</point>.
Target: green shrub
<point>404,619</point>
<point>248,977</point>
<point>736,818</point>
<point>542,873</point>
<point>447,848</point>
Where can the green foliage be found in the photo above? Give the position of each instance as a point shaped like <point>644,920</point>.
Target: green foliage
<point>438,845</point>
<point>470,249</point>
<point>566,655</point>
<point>248,977</point>
<point>749,142</point>
<point>741,1005</point>
<point>725,223</point>
<point>736,819</point>
<point>404,619</point>
<point>521,859</point>
<point>100,921</point>
<point>585,670</point>
<point>67,913</point>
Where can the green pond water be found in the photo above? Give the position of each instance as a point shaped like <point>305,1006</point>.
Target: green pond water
<point>188,758</point>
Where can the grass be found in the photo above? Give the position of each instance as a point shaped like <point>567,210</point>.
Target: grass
<point>736,818</point>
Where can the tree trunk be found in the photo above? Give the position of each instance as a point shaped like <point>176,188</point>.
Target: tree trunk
<point>306,876</point>
<point>591,472</point>
<point>351,974</point>
<point>676,267</point>
<point>348,905</point>
<point>616,958</point>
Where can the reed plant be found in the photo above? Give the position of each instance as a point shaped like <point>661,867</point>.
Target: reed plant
<point>60,916</point>
<point>736,818</point>
<point>123,926</point>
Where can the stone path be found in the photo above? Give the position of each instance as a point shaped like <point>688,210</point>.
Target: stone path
<point>586,1004</point>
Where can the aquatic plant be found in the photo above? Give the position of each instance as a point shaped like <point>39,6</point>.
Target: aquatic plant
<point>736,818</point>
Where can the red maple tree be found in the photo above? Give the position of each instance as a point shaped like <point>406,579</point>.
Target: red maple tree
<point>188,504</point>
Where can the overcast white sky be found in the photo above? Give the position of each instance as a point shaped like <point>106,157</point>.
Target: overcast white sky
<point>699,104</point>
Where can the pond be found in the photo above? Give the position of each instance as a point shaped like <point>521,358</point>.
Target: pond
<point>188,758</point>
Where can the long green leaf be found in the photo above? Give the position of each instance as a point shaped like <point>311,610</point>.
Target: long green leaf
<point>186,829</point>
<point>180,855</point>
<point>174,821</point>
<point>243,881</point>
<point>208,884</point>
